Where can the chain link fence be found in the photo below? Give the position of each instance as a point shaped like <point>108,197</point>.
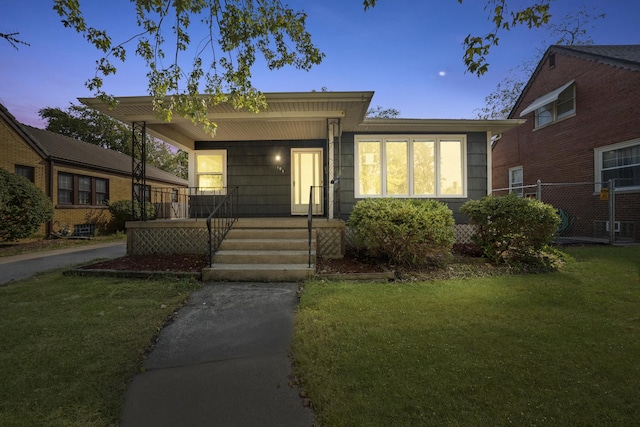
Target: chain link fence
<point>591,212</point>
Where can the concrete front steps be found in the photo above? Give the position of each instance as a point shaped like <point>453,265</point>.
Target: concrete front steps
<point>274,250</point>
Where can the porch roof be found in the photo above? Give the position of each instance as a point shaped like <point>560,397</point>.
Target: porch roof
<point>288,116</point>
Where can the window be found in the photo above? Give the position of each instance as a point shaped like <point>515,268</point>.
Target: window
<point>65,188</point>
<point>82,190</point>
<point>101,191</point>
<point>410,166</point>
<point>553,106</point>
<point>620,162</point>
<point>516,181</point>
<point>211,170</point>
<point>147,192</point>
<point>26,171</point>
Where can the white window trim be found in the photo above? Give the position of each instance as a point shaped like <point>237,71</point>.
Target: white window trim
<point>597,163</point>
<point>520,190</point>
<point>193,172</point>
<point>410,139</point>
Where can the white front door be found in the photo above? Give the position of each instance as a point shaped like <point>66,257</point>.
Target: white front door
<point>306,172</point>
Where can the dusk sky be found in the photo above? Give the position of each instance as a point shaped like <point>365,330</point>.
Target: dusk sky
<point>408,51</point>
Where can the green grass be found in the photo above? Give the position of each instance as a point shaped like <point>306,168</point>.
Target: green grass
<point>69,345</point>
<point>40,244</point>
<point>555,349</point>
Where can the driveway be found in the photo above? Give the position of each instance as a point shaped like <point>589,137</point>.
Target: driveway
<point>19,267</point>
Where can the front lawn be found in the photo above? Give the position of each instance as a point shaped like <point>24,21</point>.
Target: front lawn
<point>69,345</point>
<point>551,349</point>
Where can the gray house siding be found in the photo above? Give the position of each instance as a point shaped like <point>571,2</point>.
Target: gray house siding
<point>264,185</point>
<point>476,175</point>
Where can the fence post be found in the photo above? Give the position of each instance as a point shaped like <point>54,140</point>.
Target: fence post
<point>612,211</point>
<point>539,190</point>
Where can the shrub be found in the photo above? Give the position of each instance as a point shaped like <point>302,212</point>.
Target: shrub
<point>23,207</point>
<point>404,231</point>
<point>121,212</point>
<point>514,230</point>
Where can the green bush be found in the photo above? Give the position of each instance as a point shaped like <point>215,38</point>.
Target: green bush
<point>121,212</point>
<point>23,207</point>
<point>403,231</point>
<point>515,230</point>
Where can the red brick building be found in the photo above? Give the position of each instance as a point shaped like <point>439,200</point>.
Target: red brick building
<point>582,106</point>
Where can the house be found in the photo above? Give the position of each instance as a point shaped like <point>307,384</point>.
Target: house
<point>78,177</point>
<point>323,140</point>
<point>315,154</point>
<point>581,140</point>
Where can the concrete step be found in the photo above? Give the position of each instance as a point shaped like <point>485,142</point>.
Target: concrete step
<point>269,233</point>
<point>265,244</point>
<point>263,257</point>
<point>258,272</point>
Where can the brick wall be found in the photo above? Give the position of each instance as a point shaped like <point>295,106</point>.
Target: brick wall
<point>607,111</point>
<point>16,151</point>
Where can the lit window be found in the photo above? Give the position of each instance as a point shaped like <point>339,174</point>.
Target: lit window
<point>410,166</point>
<point>211,169</point>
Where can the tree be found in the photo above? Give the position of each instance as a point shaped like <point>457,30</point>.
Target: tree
<point>378,112</point>
<point>13,40</point>
<point>86,124</point>
<point>570,30</point>
<point>23,207</point>
<point>237,30</point>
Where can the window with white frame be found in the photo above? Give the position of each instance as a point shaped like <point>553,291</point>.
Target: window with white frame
<point>620,162</point>
<point>410,166</point>
<point>564,105</point>
<point>516,181</point>
<point>211,170</point>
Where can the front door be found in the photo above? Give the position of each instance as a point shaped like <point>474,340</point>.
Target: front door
<point>306,172</point>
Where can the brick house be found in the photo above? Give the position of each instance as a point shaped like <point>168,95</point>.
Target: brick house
<point>582,106</point>
<point>78,177</point>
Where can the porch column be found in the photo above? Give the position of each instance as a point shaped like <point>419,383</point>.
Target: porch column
<point>139,170</point>
<point>332,128</point>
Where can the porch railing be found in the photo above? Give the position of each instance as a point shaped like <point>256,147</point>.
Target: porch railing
<point>183,202</point>
<point>220,220</point>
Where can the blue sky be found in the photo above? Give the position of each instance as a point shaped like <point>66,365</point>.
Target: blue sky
<point>408,51</point>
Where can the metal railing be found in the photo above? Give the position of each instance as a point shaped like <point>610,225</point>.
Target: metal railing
<point>220,220</point>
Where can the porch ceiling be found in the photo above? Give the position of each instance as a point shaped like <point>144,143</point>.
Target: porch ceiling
<point>289,116</point>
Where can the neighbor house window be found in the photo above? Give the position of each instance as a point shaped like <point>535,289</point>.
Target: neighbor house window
<point>410,166</point>
<point>145,190</point>
<point>82,190</point>
<point>620,162</point>
<point>211,170</point>
<point>26,171</point>
<point>516,181</point>
<point>554,105</point>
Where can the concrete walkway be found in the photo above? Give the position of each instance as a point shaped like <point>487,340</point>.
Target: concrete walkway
<point>19,267</point>
<point>222,362</point>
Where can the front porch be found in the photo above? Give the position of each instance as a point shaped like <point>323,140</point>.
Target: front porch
<point>255,249</point>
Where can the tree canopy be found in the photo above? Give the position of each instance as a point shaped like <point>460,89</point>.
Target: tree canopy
<point>237,31</point>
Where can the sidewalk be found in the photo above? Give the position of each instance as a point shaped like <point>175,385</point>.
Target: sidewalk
<point>24,266</point>
<point>223,361</point>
